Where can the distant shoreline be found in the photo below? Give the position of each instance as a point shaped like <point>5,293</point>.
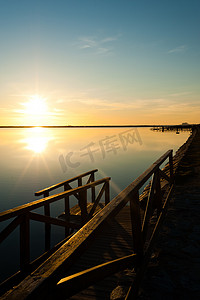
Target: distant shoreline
<point>79,126</point>
<point>101,126</point>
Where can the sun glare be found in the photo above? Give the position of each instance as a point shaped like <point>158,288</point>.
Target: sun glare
<point>36,106</point>
<point>35,111</point>
<point>37,140</point>
<point>36,144</point>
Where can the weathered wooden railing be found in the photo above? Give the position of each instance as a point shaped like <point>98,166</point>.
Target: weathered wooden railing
<point>48,280</point>
<point>23,214</point>
<point>66,186</point>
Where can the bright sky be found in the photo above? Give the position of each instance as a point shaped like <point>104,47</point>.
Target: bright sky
<point>99,62</point>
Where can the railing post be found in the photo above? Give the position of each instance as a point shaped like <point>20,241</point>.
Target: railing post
<point>82,202</point>
<point>47,226</point>
<point>80,181</point>
<point>67,210</point>
<point>158,193</point>
<point>107,193</point>
<point>25,243</point>
<point>136,225</point>
<point>171,168</point>
<point>83,205</point>
<point>93,188</point>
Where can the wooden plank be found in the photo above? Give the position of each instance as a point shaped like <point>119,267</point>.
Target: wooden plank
<point>50,220</point>
<point>114,241</point>
<point>70,285</point>
<point>55,186</point>
<point>38,203</point>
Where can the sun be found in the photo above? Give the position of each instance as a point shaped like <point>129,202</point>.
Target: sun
<point>36,105</point>
<point>35,111</point>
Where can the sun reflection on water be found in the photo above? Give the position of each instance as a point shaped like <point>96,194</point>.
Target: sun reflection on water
<point>37,139</point>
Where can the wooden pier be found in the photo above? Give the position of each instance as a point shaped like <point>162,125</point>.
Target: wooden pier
<point>175,264</point>
<point>109,237</point>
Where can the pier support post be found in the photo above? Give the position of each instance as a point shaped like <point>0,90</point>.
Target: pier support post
<point>107,193</point>
<point>93,188</point>
<point>158,194</point>
<point>136,225</point>
<point>67,210</point>
<point>25,243</point>
<point>47,226</point>
<point>171,168</point>
<point>83,205</point>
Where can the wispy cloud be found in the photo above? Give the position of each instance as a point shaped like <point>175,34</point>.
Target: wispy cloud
<point>180,94</point>
<point>54,112</point>
<point>101,46</point>
<point>59,101</point>
<point>174,103</point>
<point>146,106</point>
<point>178,49</point>
<point>105,104</point>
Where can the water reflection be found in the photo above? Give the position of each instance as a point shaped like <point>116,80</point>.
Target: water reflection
<point>30,161</point>
<point>31,157</point>
<point>37,139</point>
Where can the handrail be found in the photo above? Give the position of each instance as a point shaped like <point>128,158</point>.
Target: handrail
<point>47,200</point>
<point>55,186</point>
<point>22,216</point>
<point>46,277</point>
<point>79,281</point>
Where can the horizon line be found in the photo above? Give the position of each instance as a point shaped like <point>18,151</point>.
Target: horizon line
<point>98,126</point>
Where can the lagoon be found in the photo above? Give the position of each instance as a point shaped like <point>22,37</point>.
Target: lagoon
<point>34,158</point>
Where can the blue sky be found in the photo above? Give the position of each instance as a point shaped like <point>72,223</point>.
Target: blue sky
<point>100,62</point>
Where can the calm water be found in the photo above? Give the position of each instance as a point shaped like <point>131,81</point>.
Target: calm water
<point>34,158</point>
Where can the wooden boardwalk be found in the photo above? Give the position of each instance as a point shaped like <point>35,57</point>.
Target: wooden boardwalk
<point>90,263</point>
<point>116,242</point>
<point>174,270</point>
